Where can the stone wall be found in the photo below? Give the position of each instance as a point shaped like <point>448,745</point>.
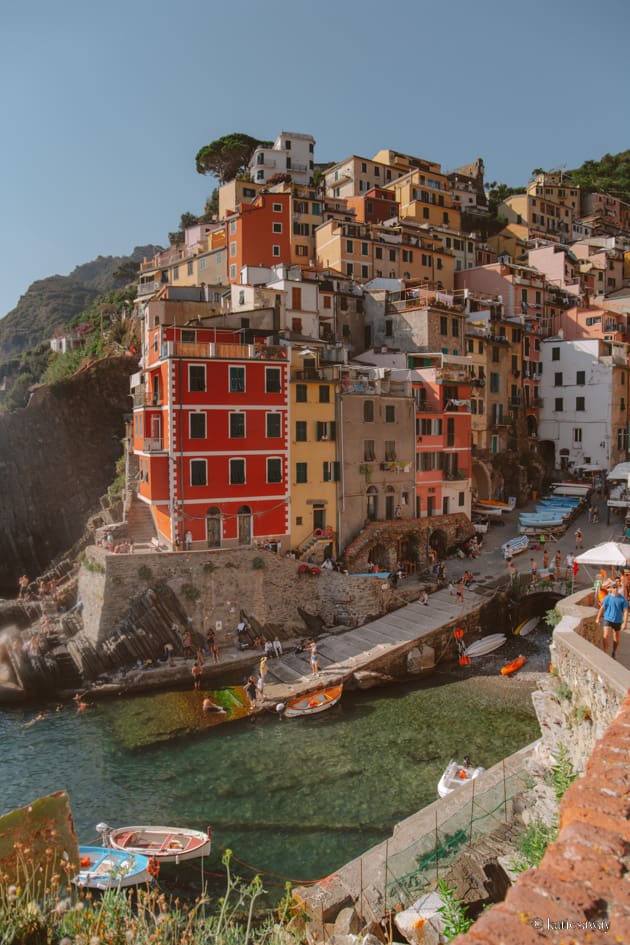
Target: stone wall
<point>216,585</point>
<point>440,531</point>
<point>57,457</point>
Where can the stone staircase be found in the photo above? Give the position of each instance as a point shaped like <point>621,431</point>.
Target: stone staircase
<point>140,527</point>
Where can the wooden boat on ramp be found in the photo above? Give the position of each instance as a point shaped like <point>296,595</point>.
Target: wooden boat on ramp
<point>105,868</point>
<point>313,702</point>
<point>165,844</point>
<point>456,775</point>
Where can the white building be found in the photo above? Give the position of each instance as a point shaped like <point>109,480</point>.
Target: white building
<point>584,389</point>
<point>291,153</point>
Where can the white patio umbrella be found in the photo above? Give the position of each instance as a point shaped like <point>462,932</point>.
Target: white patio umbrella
<point>611,553</point>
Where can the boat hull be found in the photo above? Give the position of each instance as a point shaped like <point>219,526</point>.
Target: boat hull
<point>314,702</point>
<point>166,844</point>
<point>527,626</point>
<point>513,666</point>
<point>485,645</point>
<point>107,868</point>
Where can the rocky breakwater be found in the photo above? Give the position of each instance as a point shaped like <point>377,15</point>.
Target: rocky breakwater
<point>57,457</point>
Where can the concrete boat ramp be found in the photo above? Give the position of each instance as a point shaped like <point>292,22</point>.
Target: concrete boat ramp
<point>374,645</point>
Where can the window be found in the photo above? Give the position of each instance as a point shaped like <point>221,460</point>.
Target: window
<point>390,451</point>
<point>577,434</point>
<point>555,354</point>
<point>557,379</point>
<point>276,227</point>
<point>580,378</point>
<point>580,403</point>
<point>272,380</point>
<point>196,377</point>
<point>324,394</point>
<point>325,431</point>
<point>407,255</point>
<point>460,498</point>
<point>300,431</point>
<point>392,255</point>
<point>364,249</point>
<point>301,391</point>
<point>455,328</point>
<point>389,331</point>
<point>330,472</point>
<point>198,472</point>
<point>276,207</point>
<point>237,426</point>
<point>349,246</point>
<point>495,354</point>
<point>233,248</point>
<point>237,380</point>
<point>274,425</point>
<point>237,472</point>
<point>494,383</point>
<point>301,250</point>
<point>301,472</point>
<point>390,413</point>
<point>368,451</point>
<point>368,411</point>
<point>275,250</point>
<point>232,273</point>
<point>197,426</point>
<point>558,404</point>
<point>378,252</point>
<point>274,470</point>
<point>443,325</point>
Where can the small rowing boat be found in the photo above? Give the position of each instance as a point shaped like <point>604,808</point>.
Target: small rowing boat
<point>456,775</point>
<point>104,868</point>
<point>313,702</point>
<point>485,645</point>
<point>166,844</point>
<point>513,666</point>
<point>527,626</point>
<point>515,546</point>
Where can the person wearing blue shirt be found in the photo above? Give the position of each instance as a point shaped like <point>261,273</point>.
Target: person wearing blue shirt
<point>614,610</point>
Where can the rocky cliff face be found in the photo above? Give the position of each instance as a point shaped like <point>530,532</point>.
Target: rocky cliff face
<point>57,457</point>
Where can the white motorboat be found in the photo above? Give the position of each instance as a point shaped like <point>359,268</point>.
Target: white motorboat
<point>166,844</point>
<point>456,775</point>
<point>105,868</point>
<point>485,645</point>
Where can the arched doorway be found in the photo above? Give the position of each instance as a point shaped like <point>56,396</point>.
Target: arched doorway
<point>213,527</point>
<point>439,542</point>
<point>481,480</point>
<point>372,504</point>
<point>244,525</point>
<point>378,555</point>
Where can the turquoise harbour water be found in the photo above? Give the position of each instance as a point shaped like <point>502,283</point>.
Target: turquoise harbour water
<point>295,799</point>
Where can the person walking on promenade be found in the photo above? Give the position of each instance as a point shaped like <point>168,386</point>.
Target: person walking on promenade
<point>196,674</point>
<point>579,540</point>
<point>460,590</point>
<point>614,610</point>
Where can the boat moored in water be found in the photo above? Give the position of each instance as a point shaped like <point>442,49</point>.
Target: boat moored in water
<point>456,775</point>
<point>106,868</point>
<point>166,844</point>
<point>313,702</point>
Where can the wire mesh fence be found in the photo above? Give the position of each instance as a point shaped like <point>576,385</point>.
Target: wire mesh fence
<point>411,872</point>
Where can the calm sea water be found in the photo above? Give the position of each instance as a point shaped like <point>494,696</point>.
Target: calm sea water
<point>294,798</point>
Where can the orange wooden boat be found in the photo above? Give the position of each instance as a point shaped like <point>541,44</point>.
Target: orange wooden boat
<point>513,666</point>
<point>314,702</point>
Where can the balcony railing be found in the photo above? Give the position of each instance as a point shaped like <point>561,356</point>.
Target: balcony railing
<point>148,288</point>
<point>316,374</point>
<point>154,444</point>
<point>143,398</point>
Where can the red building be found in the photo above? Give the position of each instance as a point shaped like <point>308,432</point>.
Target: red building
<point>210,436</point>
<point>443,435</point>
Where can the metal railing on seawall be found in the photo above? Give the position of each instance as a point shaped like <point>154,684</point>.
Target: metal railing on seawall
<point>411,872</point>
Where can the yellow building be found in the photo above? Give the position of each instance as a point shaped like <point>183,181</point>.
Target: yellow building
<point>314,475</point>
<point>425,196</point>
<point>234,193</point>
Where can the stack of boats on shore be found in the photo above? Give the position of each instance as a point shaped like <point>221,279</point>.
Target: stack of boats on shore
<point>555,511</point>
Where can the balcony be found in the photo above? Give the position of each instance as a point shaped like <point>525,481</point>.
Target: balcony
<point>143,398</point>
<point>452,376</point>
<point>147,288</point>
<point>395,465</point>
<point>154,444</point>
<point>316,374</point>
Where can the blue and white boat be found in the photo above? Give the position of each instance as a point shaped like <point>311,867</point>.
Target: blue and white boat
<point>515,546</point>
<point>539,518</point>
<point>106,868</point>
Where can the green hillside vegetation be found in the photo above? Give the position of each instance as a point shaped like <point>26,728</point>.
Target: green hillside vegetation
<point>105,328</point>
<point>58,299</point>
<point>611,175</point>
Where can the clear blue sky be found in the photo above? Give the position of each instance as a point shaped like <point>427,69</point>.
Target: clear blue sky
<point>104,105</point>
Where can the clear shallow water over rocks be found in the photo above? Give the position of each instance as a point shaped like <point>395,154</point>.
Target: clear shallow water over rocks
<point>297,798</point>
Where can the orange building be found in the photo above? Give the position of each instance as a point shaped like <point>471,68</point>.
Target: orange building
<point>259,234</point>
